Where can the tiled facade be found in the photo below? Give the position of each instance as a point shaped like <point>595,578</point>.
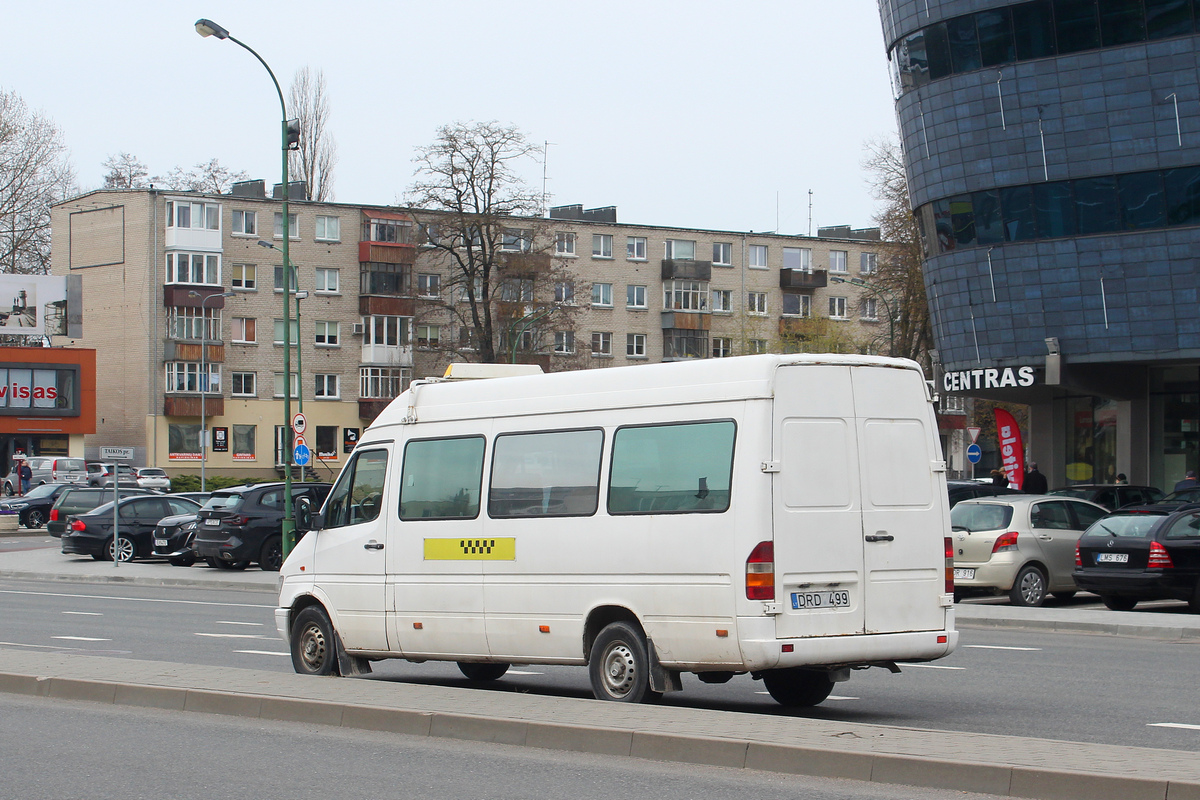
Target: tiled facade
<point>154,264</point>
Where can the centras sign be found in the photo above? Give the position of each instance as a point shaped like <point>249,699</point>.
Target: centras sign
<point>989,378</point>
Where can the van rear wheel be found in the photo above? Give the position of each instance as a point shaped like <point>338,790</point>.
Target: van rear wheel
<point>313,647</point>
<point>619,666</point>
<point>796,687</point>
<point>482,672</point>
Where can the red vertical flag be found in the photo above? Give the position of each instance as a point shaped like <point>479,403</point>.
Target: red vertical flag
<point>1012,452</point>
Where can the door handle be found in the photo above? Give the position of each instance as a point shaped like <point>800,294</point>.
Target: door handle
<point>880,537</point>
<point>373,545</point>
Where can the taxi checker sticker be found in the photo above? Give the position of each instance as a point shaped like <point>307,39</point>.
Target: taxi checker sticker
<point>471,549</point>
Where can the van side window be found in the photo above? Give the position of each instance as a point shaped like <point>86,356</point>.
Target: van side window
<point>548,474</point>
<point>441,478</point>
<point>358,495</point>
<point>665,469</point>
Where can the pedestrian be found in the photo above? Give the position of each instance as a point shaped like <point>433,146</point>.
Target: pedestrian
<point>1121,479</point>
<point>999,478</point>
<point>1035,482</point>
<point>25,474</point>
<point>1189,481</point>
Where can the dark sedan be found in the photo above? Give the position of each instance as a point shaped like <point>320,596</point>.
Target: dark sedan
<point>34,508</point>
<point>1112,495</point>
<point>1142,553</point>
<point>92,533</point>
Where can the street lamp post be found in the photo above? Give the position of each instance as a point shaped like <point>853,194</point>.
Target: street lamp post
<point>206,27</point>
<point>204,382</point>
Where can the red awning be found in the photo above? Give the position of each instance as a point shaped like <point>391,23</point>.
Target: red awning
<point>377,214</point>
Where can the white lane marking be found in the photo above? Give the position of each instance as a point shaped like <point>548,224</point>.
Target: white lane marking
<point>228,622</point>
<point>1000,647</point>
<point>1173,725</point>
<point>262,652</point>
<point>84,613</point>
<point>136,599</point>
<point>929,666</point>
<point>81,638</point>
<point>236,636</point>
<point>22,644</point>
<point>522,672</point>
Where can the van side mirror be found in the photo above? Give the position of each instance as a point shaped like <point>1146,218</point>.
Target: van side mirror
<point>303,514</point>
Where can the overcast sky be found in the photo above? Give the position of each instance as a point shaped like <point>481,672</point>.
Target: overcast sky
<point>693,113</point>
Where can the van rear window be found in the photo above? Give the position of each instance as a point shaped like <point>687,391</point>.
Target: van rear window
<point>672,469</point>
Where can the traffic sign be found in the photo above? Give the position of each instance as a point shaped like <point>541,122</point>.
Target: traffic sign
<point>974,453</point>
<point>299,423</point>
<point>299,440</point>
<point>301,455</point>
<point>974,434</point>
<point>116,453</point>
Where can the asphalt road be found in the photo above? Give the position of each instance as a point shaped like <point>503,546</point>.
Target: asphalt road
<point>1075,687</point>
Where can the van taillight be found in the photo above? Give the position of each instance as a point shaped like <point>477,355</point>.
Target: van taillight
<point>760,572</point>
<point>1159,557</point>
<point>949,565</point>
<point>1006,541</point>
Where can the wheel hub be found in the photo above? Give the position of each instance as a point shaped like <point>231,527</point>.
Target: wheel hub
<point>312,647</point>
<point>619,669</point>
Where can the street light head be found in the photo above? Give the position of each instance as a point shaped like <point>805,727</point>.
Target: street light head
<point>228,294</point>
<point>206,28</point>
<point>301,295</point>
<point>269,245</point>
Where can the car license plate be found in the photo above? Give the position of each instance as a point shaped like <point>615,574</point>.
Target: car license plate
<point>811,600</point>
<point>964,574</point>
<point>1112,558</point>
<point>213,522</point>
<point>160,542</point>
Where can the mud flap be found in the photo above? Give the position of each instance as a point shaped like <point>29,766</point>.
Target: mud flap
<point>350,666</point>
<point>662,680</point>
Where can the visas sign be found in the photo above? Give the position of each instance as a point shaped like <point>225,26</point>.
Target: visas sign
<point>988,378</point>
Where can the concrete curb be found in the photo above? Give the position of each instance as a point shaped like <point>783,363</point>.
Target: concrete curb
<point>1118,781</point>
<point>1169,633</point>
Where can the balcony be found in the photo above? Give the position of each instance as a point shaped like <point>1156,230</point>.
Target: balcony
<point>387,355</point>
<point>525,263</point>
<point>686,269</point>
<point>190,295</point>
<point>686,321</point>
<point>184,405</point>
<point>387,252</point>
<point>803,279</point>
<point>175,350</point>
<point>384,306</point>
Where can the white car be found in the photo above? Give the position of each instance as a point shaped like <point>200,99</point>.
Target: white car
<point>153,478</point>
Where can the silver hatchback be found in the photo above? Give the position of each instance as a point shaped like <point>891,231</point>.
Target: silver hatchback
<point>1019,545</point>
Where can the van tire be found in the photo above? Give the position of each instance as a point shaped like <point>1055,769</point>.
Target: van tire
<point>313,644</point>
<point>797,687</point>
<point>619,666</point>
<point>482,672</point>
<point>270,558</point>
<point>1029,588</point>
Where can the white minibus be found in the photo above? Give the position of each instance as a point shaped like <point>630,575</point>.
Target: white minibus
<point>779,515</point>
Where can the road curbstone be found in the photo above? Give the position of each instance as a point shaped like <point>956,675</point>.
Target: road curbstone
<point>478,729</point>
<point>30,685</point>
<point>1046,784</point>
<point>713,751</point>
<point>225,703</point>
<point>164,697</point>
<point>390,720</point>
<point>935,773</point>
<point>78,689</point>
<point>1182,790</point>
<point>600,741</point>
<point>809,761</point>
<point>289,709</point>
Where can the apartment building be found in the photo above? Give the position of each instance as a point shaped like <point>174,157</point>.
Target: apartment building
<point>183,303</point>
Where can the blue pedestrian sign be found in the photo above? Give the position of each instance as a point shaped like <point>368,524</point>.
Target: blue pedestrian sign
<point>302,455</point>
<point>974,453</point>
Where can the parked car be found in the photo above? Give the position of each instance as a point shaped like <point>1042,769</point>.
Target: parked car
<point>34,508</point>
<point>1022,545</point>
<point>152,478</point>
<point>1112,495</point>
<point>244,524</point>
<point>77,500</point>
<point>1181,497</point>
<point>174,538</point>
<point>101,475</point>
<point>47,469</point>
<point>966,490</point>
<point>91,533</point>
<point>1142,553</point>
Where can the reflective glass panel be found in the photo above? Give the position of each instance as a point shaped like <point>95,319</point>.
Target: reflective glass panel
<point>937,50</point>
<point>1033,30</point>
<point>1121,22</point>
<point>964,43</point>
<point>1017,203</point>
<point>1142,202</point>
<point>989,228</point>
<point>1076,25</point>
<point>1055,209</point>
<point>1096,205</point>
<point>995,37</point>
<point>1168,18</point>
<point>1183,195</point>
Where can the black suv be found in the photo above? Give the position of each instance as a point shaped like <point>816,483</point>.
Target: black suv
<point>79,500</point>
<point>244,524</point>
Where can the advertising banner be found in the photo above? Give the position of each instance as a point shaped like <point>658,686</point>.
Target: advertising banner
<point>34,305</point>
<point>1012,451</point>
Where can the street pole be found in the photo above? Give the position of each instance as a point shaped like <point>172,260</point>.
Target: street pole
<point>207,28</point>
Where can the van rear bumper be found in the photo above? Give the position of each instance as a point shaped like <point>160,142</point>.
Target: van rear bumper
<point>762,650</point>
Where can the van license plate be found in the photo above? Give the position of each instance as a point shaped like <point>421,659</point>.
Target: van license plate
<point>213,522</point>
<point>964,574</point>
<point>810,600</point>
<point>1112,558</point>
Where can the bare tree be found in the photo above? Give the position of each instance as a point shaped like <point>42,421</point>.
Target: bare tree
<point>482,221</point>
<point>209,176</point>
<point>313,163</point>
<point>34,173</point>
<point>125,171</point>
<point>899,284</point>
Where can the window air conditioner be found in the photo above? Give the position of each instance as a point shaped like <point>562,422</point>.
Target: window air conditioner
<point>358,329</point>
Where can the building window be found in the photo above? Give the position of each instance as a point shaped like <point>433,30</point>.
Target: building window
<point>327,280</point>
<point>183,441</point>
<point>870,308</point>
<point>189,322</point>
<point>564,293</point>
<point>679,250</point>
<point>243,384</point>
<point>389,231</point>
<point>295,384</point>
<point>601,245</point>
<point>382,382</point>
<point>564,342</point>
<point>244,276</point>
<point>327,334</point>
<point>757,346</point>
<point>756,303</point>
<point>386,279</point>
<point>722,301</point>
<point>722,254</point>
<point>519,241</point>
<point>602,344</point>
<point>679,343</point>
<point>602,295</point>
<point>327,387</point>
<point>428,336</point>
<point>245,223</point>
<point>194,268</point>
<point>186,376</point>
<point>837,308</point>
<point>429,286</point>
<point>293,333</point>
<point>635,296</point>
<point>797,305</point>
<point>798,258</point>
<point>758,256</point>
<point>682,295</point>
<point>328,229</point>
<point>243,330</point>
<point>635,248</point>
<point>327,450</point>
<point>279,279</point>
<point>837,261</point>
<point>722,347</point>
<point>635,345</point>
<point>516,290</point>
<point>868,263</point>
<point>201,216</point>
<point>293,226</point>
<point>564,244</point>
<point>385,331</point>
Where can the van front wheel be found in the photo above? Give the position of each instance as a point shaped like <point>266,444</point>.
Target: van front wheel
<point>312,643</point>
<point>796,687</point>
<point>619,666</point>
